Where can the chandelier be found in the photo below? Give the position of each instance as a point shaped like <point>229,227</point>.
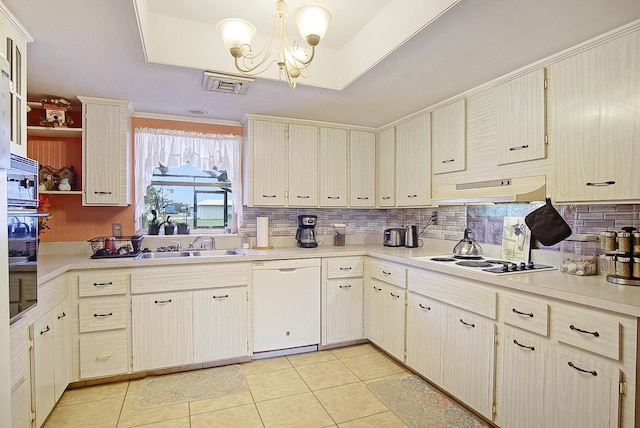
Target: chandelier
<point>312,21</point>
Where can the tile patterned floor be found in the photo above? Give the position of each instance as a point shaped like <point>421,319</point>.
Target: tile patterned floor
<point>318,389</point>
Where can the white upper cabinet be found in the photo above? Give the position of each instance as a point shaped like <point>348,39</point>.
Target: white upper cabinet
<point>386,170</point>
<point>333,167</point>
<point>106,152</point>
<point>268,144</point>
<point>413,162</point>
<point>303,165</point>
<point>596,122</point>
<point>449,139</point>
<point>520,118</point>
<point>362,169</point>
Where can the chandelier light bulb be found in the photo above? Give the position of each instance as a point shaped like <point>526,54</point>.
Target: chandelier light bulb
<point>236,34</point>
<point>312,21</point>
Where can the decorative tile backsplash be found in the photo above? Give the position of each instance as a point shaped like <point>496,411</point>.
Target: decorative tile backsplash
<point>486,221</point>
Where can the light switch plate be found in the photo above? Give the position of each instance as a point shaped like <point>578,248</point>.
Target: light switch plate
<point>116,229</point>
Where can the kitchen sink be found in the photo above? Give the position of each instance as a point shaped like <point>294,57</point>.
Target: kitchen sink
<point>189,253</point>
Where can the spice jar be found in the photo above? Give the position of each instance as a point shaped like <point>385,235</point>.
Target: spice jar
<point>636,242</point>
<point>623,266</point>
<point>608,264</point>
<point>624,242</point>
<point>636,267</point>
<point>608,241</point>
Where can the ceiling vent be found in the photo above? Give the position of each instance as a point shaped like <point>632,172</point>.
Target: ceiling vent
<point>225,83</point>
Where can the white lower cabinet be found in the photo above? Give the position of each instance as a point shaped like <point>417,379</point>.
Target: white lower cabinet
<point>524,371</point>
<point>220,325</point>
<point>162,330</point>
<point>20,375</point>
<point>426,335</point>
<point>470,357</point>
<point>386,314</point>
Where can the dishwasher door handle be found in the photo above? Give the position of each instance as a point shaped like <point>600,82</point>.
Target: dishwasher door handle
<point>288,269</point>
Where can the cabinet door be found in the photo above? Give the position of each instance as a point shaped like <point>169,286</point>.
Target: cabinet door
<point>362,169</point>
<point>394,314</point>
<point>106,154</point>
<point>470,349</point>
<point>386,174</point>
<point>520,119</point>
<point>162,330</point>
<point>374,301</point>
<point>449,126</point>
<point>220,320</point>
<point>595,130</point>
<point>303,165</point>
<point>269,161</point>
<point>62,348</point>
<point>44,366</point>
<point>344,310</point>
<point>584,392</point>
<point>426,332</point>
<point>522,376</point>
<point>413,162</point>
<point>20,375</point>
<point>333,167</point>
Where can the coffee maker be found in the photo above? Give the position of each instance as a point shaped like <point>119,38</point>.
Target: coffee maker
<point>306,233</point>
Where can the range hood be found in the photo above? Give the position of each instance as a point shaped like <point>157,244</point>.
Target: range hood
<point>520,189</point>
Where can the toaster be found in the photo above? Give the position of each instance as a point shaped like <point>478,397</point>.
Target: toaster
<point>394,237</point>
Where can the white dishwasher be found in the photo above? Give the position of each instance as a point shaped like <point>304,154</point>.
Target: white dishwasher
<point>286,304</point>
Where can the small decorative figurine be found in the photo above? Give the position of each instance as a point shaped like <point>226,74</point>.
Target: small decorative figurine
<point>64,185</point>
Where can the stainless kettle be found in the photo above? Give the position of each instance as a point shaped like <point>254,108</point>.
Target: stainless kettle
<point>411,237</point>
<point>467,246</point>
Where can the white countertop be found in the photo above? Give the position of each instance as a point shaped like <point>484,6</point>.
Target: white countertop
<point>592,291</point>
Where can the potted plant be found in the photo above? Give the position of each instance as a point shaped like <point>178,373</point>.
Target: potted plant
<point>154,224</point>
<point>169,228</point>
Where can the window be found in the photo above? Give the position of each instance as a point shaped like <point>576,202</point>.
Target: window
<point>187,177</point>
<point>200,199</point>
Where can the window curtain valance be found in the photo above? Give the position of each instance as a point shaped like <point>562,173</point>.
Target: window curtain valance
<point>174,148</point>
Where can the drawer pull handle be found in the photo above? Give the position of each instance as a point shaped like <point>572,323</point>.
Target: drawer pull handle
<point>220,297</point>
<point>524,346</point>
<point>448,160</point>
<point>515,311</point>
<point>385,198</point>
<point>512,149</point>
<point>161,302</point>
<point>62,315</point>
<point>386,273</point>
<point>601,183</point>
<point>268,196</point>
<point>333,197</point>
<point>303,197</point>
<point>103,356</point>
<point>347,269</point>
<point>593,372</point>
<point>363,198</point>
<point>345,286</point>
<point>46,330</point>
<point>467,324</point>
<point>395,296</point>
<point>101,193</point>
<point>103,315</point>
<point>426,308</point>
<point>102,284</point>
<point>574,328</point>
<point>376,288</point>
<point>412,196</point>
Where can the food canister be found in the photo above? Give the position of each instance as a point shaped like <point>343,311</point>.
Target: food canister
<point>623,266</point>
<point>608,264</point>
<point>624,242</point>
<point>608,241</point>
<point>636,267</point>
<point>636,242</point>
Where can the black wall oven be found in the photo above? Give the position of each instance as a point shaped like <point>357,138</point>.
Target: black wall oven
<point>22,223</point>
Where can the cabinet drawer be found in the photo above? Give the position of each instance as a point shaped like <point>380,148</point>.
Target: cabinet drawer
<point>345,267</point>
<point>524,312</point>
<point>587,329</point>
<point>456,291</point>
<point>103,354</point>
<point>388,272</point>
<point>102,283</point>
<point>102,313</point>
<point>189,277</point>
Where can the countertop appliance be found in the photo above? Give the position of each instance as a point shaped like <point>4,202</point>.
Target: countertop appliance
<point>411,239</point>
<point>286,308</point>
<point>467,247</point>
<point>487,265</point>
<point>306,233</point>
<point>394,237</point>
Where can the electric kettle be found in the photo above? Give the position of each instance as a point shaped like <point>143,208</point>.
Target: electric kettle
<point>411,237</point>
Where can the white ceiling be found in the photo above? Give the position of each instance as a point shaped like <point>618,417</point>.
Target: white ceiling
<point>94,48</point>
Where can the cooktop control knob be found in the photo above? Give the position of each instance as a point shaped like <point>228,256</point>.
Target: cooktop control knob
<point>505,267</point>
<point>514,267</point>
<point>530,265</point>
<point>522,266</point>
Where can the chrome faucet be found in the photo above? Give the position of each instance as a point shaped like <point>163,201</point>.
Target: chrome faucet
<point>211,242</point>
<point>192,243</point>
<point>177,244</point>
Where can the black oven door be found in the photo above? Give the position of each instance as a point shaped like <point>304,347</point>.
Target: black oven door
<point>23,261</point>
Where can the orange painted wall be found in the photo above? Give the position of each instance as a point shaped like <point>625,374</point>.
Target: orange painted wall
<point>70,221</point>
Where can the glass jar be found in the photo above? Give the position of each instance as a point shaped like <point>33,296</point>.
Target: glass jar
<point>636,267</point>
<point>624,242</point>
<point>608,241</point>
<point>636,242</point>
<point>608,264</point>
<point>339,238</point>
<point>623,266</point>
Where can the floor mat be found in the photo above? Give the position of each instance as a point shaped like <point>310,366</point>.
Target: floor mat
<point>175,388</point>
<point>419,405</point>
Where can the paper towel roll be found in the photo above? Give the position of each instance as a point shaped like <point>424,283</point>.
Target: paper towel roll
<point>262,234</point>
